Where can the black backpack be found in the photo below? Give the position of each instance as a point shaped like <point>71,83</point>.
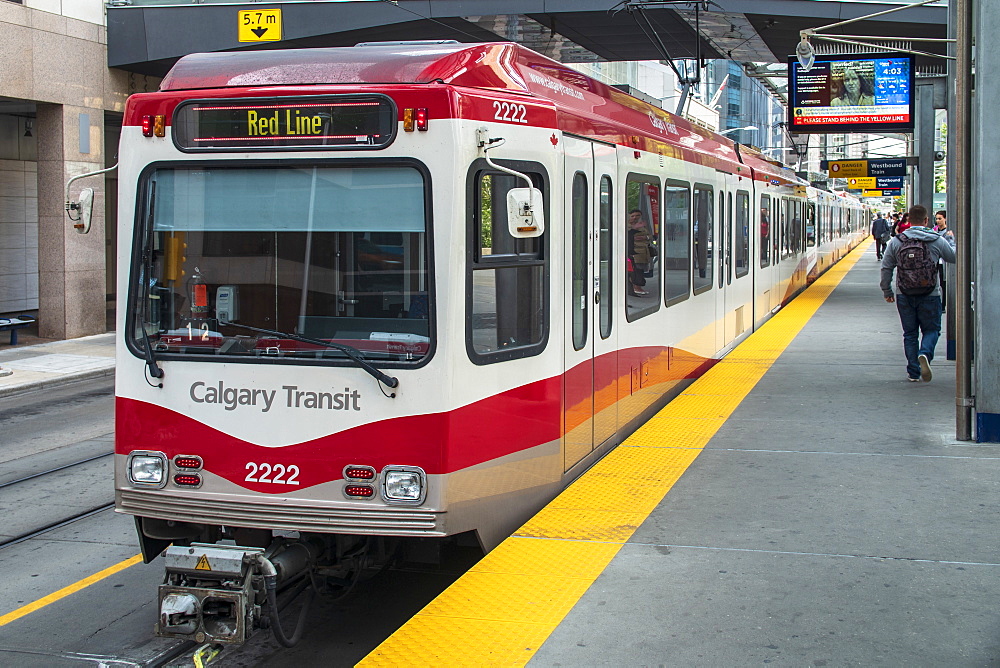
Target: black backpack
<point>916,268</point>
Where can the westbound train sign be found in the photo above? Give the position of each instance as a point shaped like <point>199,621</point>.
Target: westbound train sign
<point>858,169</point>
<point>876,183</point>
<point>881,193</point>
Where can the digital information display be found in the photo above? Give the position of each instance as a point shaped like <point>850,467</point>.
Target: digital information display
<point>856,93</point>
<point>286,123</point>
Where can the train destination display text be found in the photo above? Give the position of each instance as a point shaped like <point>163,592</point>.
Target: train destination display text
<point>273,123</point>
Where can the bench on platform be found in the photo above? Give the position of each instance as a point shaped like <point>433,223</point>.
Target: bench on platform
<point>14,324</point>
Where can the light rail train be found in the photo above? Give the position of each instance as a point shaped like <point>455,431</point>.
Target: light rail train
<point>387,296</point>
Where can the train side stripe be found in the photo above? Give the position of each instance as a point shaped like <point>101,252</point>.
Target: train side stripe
<point>503,609</point>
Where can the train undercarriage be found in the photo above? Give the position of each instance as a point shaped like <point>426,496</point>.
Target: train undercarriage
<point>222,585</point>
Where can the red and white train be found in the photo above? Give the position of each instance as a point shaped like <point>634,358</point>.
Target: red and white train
<point>386,295</point>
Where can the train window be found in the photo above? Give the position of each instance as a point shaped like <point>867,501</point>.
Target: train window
<point>779,230</point>
<point>765,230</point>
<point>729,238</point>
<point>800,212</point>
<point>580,265</point>
<point>606,259</point>
<point>741,239</point>
<point>787,227</point>
<point>232,262</point>
<point>676,242</point>
<point>702,235</point>
<point>506,290</point>
<point>780,209</point>
<point>810,225</point>
<point>818,222</point>
<point>797,245</point>
<point>642,262</point>
<point>722,247</point>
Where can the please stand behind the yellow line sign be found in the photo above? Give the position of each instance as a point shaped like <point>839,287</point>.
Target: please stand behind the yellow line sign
<point>259,25</point>
<point>865,183</point>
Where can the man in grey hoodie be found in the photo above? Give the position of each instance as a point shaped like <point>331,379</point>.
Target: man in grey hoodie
<point>920,314</point>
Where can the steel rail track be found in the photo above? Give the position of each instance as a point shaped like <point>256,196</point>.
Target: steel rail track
<point>55,525</point>
<point>58,468</point>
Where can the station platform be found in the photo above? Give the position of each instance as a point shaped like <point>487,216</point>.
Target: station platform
<point>30,368</point>
<point>802,504</point>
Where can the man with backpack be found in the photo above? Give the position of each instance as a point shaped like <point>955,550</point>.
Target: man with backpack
<point>914,255</point>
<point>880,231</point>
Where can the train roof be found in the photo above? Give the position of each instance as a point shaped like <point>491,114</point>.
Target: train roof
<point>581,102</point>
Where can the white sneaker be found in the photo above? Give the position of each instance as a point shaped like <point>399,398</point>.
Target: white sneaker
<point>925,368</point>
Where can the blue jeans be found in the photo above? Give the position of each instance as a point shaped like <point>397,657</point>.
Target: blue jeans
<point>920,316</point>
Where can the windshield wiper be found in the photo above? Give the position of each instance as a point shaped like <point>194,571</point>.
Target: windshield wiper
<point>353,353</point>
<point>154,369</point>
<point>147,269</point>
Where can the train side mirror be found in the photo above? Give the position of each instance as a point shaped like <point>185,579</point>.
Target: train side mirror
<point>85,210</point>
<point>524,213</point>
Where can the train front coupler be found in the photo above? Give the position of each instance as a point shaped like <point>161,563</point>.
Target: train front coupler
<point>223,593</point>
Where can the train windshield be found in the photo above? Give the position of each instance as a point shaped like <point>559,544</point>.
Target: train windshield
<point>335,253</point>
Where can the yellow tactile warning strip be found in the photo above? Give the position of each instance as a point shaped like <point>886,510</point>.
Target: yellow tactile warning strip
<point>503,609</point>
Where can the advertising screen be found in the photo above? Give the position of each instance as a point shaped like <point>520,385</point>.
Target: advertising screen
<point>856,93</point>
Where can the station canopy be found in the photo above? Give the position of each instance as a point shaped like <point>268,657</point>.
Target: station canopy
<point>148,36</point>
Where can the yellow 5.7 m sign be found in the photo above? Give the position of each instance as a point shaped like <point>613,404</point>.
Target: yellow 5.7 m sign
<point>259,25</point>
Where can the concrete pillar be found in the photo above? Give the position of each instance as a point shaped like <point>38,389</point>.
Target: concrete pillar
<point>949,329</point>
<point>71,269</point>
<point>923,144</point>
<point>986,344</point>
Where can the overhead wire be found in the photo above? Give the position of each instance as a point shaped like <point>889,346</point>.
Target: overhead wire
<point>395,3</point>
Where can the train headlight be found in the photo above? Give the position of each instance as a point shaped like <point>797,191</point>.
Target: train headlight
<point>404,484</point>
<point>147,469</point>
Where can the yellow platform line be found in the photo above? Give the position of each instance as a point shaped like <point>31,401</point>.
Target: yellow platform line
<point>501,611</point>
<point>68,590</point>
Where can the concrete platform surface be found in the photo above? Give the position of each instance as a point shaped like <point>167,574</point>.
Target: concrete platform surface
<point>28,368</point>
<point>833,520</point>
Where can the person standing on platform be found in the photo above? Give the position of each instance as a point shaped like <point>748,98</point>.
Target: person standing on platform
<point>904,223</point>
<point>913,255</point>
<point>894,224</point>
<point>941,227</point>
<point>880,231</point>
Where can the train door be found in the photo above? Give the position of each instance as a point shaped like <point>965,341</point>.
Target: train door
<point>590,368</point>
<point>604,328</point>
<point>766,227</point>
<point>740,293</point>
<point>722,241</point>
<point>731,315</point>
